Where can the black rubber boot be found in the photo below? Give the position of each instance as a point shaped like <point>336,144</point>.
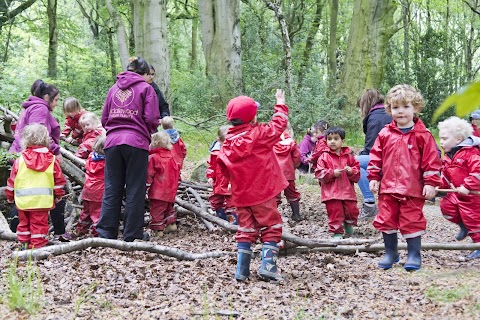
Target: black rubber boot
<point>296,211</point>
<point>414,260</point>
<point>391,251</point>
<point>462,233</point>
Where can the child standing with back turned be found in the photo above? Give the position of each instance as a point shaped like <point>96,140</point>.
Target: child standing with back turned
<point>36,183</point>
<point>404,169</point>
<point>248,161</point>
<point>337,170</point>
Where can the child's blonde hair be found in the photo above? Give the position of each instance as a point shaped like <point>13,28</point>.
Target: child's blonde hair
<point>167,123</point>
<point>92,117</point>
<point>35,135</point>
<point>71,105</point>
<point>222,132</point>
<point>161,140</point>
<point>456,127</point>
<point>403,94</point>
<point>99,144</point>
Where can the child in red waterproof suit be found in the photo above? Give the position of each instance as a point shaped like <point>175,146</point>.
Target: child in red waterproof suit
<point>405,164</point>
<point>162,184</point>
<point>475,121</point>
<point>288,156</point>
<point>221,197</point>
<point>73,112</point>
<point>337,170</point>
<point>92,192</point>
<point>248,161</point>
<point>461,171</point>
<point>92,129</point>
<point>320,127</point>
<point>179,150</point>
<point>36,183</point>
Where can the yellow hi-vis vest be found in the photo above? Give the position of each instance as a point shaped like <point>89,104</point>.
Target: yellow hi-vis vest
<point>33,189</point>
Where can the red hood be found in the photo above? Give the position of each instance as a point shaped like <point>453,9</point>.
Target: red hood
<point>343,151</point>
<point>162,152</point>
<point>417,127</point>
<point>284,146</point>
<point>37,158</point>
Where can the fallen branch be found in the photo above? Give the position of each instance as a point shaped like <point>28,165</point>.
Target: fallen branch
<point>381,247</point>
<point>74,159</point>
<point>197,197</point>
<point>195,186</point>
<point>286,236</point>
<point>5,232</point>
<point>45,252</point>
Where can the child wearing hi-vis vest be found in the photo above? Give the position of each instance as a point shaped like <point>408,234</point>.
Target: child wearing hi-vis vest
<point>36,183</point>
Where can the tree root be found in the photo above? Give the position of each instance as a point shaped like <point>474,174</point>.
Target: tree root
<point>45,252</point>
<point>5,232</point>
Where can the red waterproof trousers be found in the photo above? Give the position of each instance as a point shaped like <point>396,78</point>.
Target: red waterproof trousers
<point>398,212</point>
<point>162,214</point>
<point>340,211</point>
<point>290,193</point>
<point>89,217</point>
<point>262,220</point>
<point>33,228</point>
<point>456,208</point>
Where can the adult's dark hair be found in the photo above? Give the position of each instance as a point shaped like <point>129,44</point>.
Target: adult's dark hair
<point>138,65</point>
<point>39,89</point>
<point>335,130</point>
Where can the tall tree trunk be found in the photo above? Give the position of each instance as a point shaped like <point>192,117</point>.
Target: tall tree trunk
<point>332,48</point>
<point>193,56</point>
<point>151,41</point>
<point>7,45</point>
<point>309,42</point>
<point>287,47</point>
<point>52,38</point>
<point>371,28</point>
<point>220,28</point>
<point>406,42</point>
<point>121,34</point>
<point>111,53</point>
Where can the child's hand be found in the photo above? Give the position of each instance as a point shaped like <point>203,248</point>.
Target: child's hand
<point>374,186</point>
<point>280,95</point>
<point>429,192</point>
<point>10,201</point>
<point>463,190</point>
<point>337,172</point>
<point>348,170</point>
<point>57,200</point>
<point>210,181</point>
<point>69,139</point>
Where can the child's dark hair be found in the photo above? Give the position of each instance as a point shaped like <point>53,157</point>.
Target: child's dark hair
<point>39,89</point>
<point>335,130</point>
<point>321,125</point>
<point>138,65</point>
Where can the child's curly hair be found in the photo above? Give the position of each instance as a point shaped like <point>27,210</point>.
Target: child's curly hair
<point>457,127</point>
<point>404,94</point>
<point>161,140</point>
<point>35,135</point>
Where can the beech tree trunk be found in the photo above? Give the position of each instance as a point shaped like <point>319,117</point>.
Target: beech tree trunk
<point>332,48</point>
<point>371,28</point>
<point>220,28</point>
<point>310,41</point>
<point>52,38</point>
<point>121,34</point>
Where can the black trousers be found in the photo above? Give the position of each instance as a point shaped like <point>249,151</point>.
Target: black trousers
<point>56,215</point>
<point>125,167</point>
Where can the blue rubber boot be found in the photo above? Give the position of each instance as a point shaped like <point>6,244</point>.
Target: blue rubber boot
<point>232,217</point>
<point>414,259</point>
<point>221,214</point>
<point>474,255</point>
<point>462,233</point>
<point>268,269</point>
<point>243,261</point>
<point>391,251</point>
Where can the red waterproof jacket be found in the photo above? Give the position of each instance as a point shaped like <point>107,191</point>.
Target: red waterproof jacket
<point>288,155</point>
<point>464,167</point>
<point>37,158</point>
<point>320,147</point>
<point>73,126</point>
<point>94,178</point>
<point>248,161</point>
<point>220,183</point>
<point>338,188</point>
<point>179,151</point>
<point>85,148</point>
<point>162,175</point>
<point>404,163</point>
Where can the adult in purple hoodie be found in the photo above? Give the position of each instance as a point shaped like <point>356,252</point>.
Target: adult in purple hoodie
<point>130,115</point>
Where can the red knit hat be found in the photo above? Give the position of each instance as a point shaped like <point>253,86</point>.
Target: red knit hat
<point>243,108</point>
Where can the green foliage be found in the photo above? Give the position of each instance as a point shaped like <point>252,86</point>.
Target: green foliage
<point>442,294</point>
<point>466,99</point>
<point>24,288</point>
<point>6,157</point>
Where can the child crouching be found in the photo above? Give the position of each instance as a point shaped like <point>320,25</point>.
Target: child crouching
<point>36,183</point>
<point>337,170</point>
<point>461,171</point>
<point>162,183</point>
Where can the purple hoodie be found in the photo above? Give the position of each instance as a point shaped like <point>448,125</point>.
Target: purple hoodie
<point>130,113</point>
<point>36,110</point>
<point>306,148</point>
